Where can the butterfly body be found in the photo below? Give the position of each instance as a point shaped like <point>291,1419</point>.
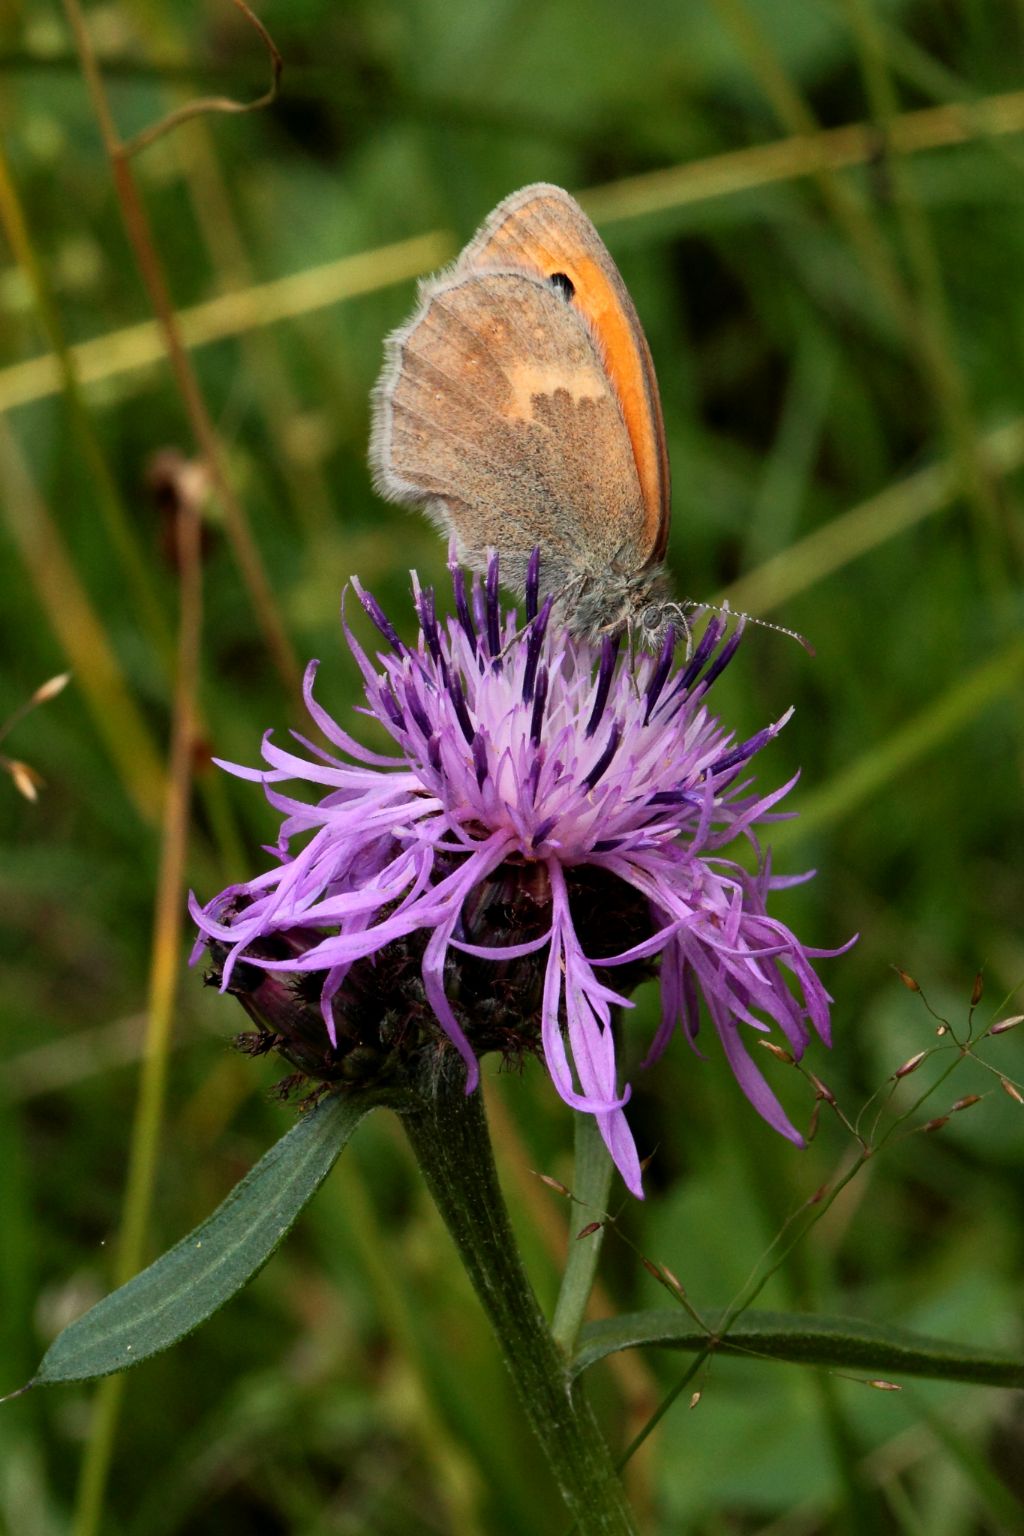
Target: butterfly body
<point>519,408</point>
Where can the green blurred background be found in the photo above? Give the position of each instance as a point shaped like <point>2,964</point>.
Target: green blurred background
<point>837,318</point>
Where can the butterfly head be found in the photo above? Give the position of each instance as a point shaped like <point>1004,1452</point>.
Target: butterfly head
<point>622,600</point>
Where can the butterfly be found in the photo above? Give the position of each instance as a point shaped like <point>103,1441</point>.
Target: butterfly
<point>519,408</point>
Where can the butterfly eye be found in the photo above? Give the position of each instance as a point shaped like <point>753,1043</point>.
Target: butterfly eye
<point>564,284</point>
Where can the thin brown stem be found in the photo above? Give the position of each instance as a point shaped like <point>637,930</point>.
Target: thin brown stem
<point>140,235</point>
<point>224,104</point>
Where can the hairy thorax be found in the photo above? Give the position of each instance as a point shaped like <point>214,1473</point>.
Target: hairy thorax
<point>620,599</point>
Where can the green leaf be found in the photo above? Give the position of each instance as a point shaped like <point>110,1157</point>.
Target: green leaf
<point>844,1342</point>
<point>592,1177</point>
<point>195,1277</point>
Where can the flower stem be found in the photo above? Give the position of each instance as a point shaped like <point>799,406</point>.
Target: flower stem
<point>448,1131</point>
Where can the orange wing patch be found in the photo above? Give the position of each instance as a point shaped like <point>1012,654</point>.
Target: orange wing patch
<point>597,300</point>
<point>543,230</point>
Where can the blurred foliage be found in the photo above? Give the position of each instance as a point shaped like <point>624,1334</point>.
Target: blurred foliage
<point>821,341</point>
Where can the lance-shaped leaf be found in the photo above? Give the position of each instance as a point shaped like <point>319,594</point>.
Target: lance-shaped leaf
<point>843,1343</point>
<point>195,1277</point>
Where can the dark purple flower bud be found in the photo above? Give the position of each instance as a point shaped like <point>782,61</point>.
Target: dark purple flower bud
<point>462,606</point>
<point>660,673</point>
<point>540,698</point>
<point>493,610</point>
<point>604,761</point>
<point>605,674</point>
<point>532,584</point>
<point>380,619</point>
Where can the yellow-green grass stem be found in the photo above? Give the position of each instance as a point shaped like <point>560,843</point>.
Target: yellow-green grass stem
<point>138,346</point>
<point>932,726</point>
<point>867,526</point>
<point>164,975</point>
<point>120,532</point>
<point>79,631</point>
<point>929,348</point>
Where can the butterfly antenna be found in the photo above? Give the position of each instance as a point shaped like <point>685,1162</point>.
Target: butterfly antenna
<point>750,618</point>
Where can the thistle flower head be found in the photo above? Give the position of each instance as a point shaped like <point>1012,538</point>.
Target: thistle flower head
<point>550,825</point>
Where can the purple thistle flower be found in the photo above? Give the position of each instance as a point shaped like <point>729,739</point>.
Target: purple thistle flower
<point>547,799</point>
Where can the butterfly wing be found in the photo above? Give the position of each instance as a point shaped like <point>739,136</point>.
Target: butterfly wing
<point>542,230</point>
<point>495,412</point>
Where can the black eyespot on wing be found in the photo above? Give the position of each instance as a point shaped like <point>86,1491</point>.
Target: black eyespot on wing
<point>564,284</point>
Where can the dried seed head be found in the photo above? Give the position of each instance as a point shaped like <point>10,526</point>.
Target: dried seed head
<point>26,781</point>
<point>555,1184</point>
<point>179,487</point>
<point>1012,1090</point>
<point>936,1124</point>
<point>51,688</point>
<point>1005,1024</point>
<point>907,980</point>
<point>822,1089</point>
<point>910,1066</point>
<point>589,1230</point>
<point>965,1103</point>
<point>695,1399</point>
<point>778,1051</point>
<point>674,1283</point>
<point>884,1386</point>
<point>978,990</point>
